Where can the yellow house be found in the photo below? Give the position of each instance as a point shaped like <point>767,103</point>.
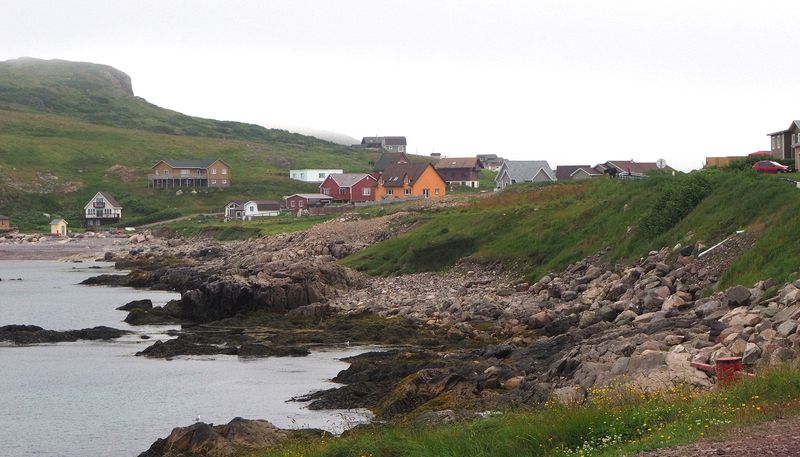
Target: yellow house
<point>58,227</point>
<point>403,180</point>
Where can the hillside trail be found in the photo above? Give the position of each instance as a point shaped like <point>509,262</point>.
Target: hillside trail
<point>775,438</point>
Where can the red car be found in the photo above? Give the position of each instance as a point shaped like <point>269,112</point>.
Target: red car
<point>768,166</point>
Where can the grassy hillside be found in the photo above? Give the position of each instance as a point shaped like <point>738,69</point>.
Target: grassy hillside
<point>541,229</point>
<point>68,130</point>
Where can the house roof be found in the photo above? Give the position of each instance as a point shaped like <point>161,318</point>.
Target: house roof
<point>525,170</point>
<point>634,167</point>
<point>348,179</point>
<point>459,162</point>
<point>4,218</point>
<point>197,163</point>
<point>58,221</point>
<point>312,196</point>
<point>487,156</point>
<point>390,158</point>
<point>394,174</point>
<point>236,202</point>
<point>266,205</point>
<point>109,199</point>
<point>565,172</point>
<point>394,140</point>
<point>794,124</point>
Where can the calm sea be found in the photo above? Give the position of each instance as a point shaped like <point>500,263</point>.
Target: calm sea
<point>97,399</point>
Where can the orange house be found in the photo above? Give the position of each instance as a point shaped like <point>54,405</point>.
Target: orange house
<point>403,180</point>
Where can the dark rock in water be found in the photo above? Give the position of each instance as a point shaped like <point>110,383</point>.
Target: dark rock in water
<point>137,304</point>
<point>142,312</point>
<point>32,334</point>
<point>179,346</point>
<point>263,350</point>
<point>218,441</point>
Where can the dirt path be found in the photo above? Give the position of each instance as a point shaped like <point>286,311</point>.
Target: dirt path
<point>776,438</point>
<point>177,219</point>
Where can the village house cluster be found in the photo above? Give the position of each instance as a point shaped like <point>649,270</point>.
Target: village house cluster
<point>395,176</point>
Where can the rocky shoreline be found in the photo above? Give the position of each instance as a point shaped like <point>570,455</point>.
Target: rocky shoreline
<point>474,338</point>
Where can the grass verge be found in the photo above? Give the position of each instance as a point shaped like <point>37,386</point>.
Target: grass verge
<point>613,421</point>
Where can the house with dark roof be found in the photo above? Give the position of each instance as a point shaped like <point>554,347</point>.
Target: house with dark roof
<point>387,143</point>
<point>168,174</point>
<point>517,171</point>
<point>390,158</point>
<point>462,171</point>
<point>260,208</point>
<point>5,223</point>
<point>234,210</point>
<point>785,144</point>
<point>405,180</point>
<point>630,168</point>
<point>350,187</point>
<point>576,172</point>
<point>102,209</point>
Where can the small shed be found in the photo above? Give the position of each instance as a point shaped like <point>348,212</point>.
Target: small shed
<point>5,223</point>
<point>58,227</point>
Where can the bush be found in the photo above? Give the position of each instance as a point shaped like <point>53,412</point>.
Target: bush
<point>678,198</point>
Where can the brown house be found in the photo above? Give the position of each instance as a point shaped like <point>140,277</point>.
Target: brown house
<point>168,174</point>
<point>785,144</point>
<point>5,223</point>
<point>462,171</point>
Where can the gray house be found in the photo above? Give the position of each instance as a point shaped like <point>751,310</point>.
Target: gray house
<point>387,143</point>
<point>785,144</point>
<point>514,171</point>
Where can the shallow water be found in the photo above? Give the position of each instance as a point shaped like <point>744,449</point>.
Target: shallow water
<point>98,399</point>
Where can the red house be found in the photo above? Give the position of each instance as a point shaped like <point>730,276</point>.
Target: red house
<point>304,201</point>
<point>349,187</point>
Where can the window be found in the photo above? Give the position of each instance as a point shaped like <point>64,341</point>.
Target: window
<point>184,172</point>
<point>213,171</point>
<point>224,171</point>
<point>224,181</point>
<point>390,191</point>
<point>166,172</point>
<point>300,203</point>
<point>774,143</point>
<point>436,191</point>
<point>252,208</point>
<point>291,203</point>
<point>326,191</point>
<point>366,191</point>
<point>401,148</point>
<point>342,190</point>
<point>156,173</point>
<point>407,191</point>
<point>322,176</point>
<point>213,181</point>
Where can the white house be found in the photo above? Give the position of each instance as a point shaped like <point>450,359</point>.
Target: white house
<point>260,208</point>
<point>102,209</point>
<point>312,175</point>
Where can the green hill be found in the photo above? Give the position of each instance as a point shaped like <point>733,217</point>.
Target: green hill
<point>68,130</point>
<point>541,229</point>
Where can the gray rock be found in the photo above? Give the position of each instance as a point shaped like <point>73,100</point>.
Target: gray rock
<point>787,328</point>
<point>738,295</point>
<point>752,352</point>
<point>781,355</point>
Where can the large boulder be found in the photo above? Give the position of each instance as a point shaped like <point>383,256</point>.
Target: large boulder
<point>217,441</point>
<point>738,296</point>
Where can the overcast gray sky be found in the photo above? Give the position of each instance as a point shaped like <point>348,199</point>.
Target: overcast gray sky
<point>565,81</point>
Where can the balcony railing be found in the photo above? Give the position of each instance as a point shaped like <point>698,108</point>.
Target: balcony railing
<point>179,176</point>
<point>99,205</point>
